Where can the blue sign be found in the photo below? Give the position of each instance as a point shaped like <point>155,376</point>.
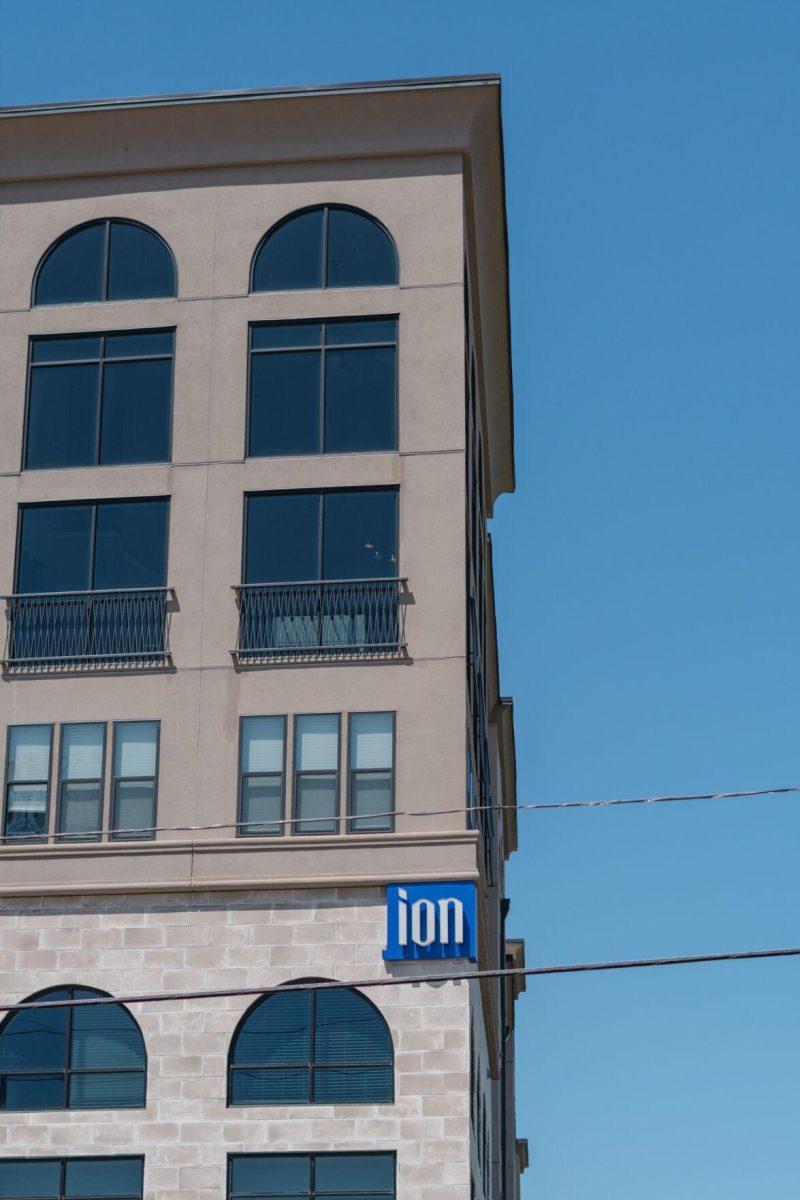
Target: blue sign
<point>431,920</point>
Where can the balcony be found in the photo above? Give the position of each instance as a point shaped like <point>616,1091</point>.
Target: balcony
<point>321,619</point>
<point>62,631</point>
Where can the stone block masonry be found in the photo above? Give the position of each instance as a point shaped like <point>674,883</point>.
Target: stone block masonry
<point>176,942</point>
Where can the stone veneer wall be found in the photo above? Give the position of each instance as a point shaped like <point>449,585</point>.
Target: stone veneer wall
<point>142,943</point>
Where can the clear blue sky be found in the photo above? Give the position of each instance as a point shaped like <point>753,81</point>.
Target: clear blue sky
<point>647,568</point>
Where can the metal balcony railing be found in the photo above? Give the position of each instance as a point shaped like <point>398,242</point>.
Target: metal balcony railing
<point>73,630</point>
<point>341,618</point>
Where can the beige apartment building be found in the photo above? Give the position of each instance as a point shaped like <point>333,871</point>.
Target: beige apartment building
<point>256,408</point>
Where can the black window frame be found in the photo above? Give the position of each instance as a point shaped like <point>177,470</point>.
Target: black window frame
<point>241,824</point>
<point>16,839</point>
<point>321,493</point>
<point>67,1070</point>
<point>107,222</point>
<point>312,1193</point>
<point>311,1065</point>
<point>322,349</point>
<point>325,209</point>
<point>297,774</point>
<point>115,834</point>
<point>94,504</point>
<point>101,361</point>
<point>96,836</point>
<point>351,771</point>
<point>70,1158</point>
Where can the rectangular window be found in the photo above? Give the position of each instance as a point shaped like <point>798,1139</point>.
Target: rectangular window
<point>71,1178</point>
<point>302,536</point>
<point>80,786</point>
<point>371,784</point>
<point>261,771</point>
<point>117,551</point>
<point>316,773</point>
<point>99,399</point>
<point>117,544</point>
<point>27,790</point>
<point>310,1175</point>
<point>323,387</point>
<point>133,799</point>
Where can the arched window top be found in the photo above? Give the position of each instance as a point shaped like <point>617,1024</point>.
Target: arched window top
<point>328,246</point>
<point>106,260</point>
<point>321,1046</point>
<point>87,1056</point>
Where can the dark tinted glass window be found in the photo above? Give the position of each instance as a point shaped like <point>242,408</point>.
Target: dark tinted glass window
<point>316,1047</point>
<point>278,1172</point>
<point>323,388</point>
<point>30,1177</point>
<point>80,547</point>
<point>370,1176</point>
<point>74,270</point>
<point>107,260</point>
<point>297,536</point>
<point>85,1057</point>
<point>282,537</point>
<point>291,256</point>
<point>360,252</point>
<point>71,1178</point>
<point>131,544</point>
<point>89,1177</point>
<point>139,264</point>
<point>62,416</point>
<point>99,399</point>
<point>55,548</point>
<point>285,403</point>
<point>329,246</point>
<point>360,535</point>
<point>354,1172</point>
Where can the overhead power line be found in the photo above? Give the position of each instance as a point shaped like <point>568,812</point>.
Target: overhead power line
<point>219,826</point>
<point>407,980</point>
<point>779,791</point>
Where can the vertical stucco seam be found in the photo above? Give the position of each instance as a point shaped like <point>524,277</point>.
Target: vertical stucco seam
<point>210,395</point>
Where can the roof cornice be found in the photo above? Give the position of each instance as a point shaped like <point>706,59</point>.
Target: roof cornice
<point>232,97</point>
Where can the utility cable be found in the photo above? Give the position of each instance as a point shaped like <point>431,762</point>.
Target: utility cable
<point>147,831</point>
<point>408,980</point>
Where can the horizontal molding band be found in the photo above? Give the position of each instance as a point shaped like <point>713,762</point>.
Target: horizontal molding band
<point>235,845</point>
<point>296,883</point>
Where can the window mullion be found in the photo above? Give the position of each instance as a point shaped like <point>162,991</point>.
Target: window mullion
<point>325,246</point>
<point>312,1046</point>
<point>323,368</point>
<point>101,381</point>
<point>106,258</point>
<point>68,1065</point>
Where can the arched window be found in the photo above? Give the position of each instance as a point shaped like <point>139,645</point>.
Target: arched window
<point>311,1047</point>
<point>106,260</point>
<point>327,246</point>
<point>87,1056</point>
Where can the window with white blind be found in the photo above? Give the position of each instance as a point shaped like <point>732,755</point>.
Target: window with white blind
<point>261,772</point>
<point>133,800</point>
<point>79,752</point>
<point>80,789</point>
<point>27,790</point>
<point>371,782</point>
<point>316,772</point>
<point>359,797</point>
